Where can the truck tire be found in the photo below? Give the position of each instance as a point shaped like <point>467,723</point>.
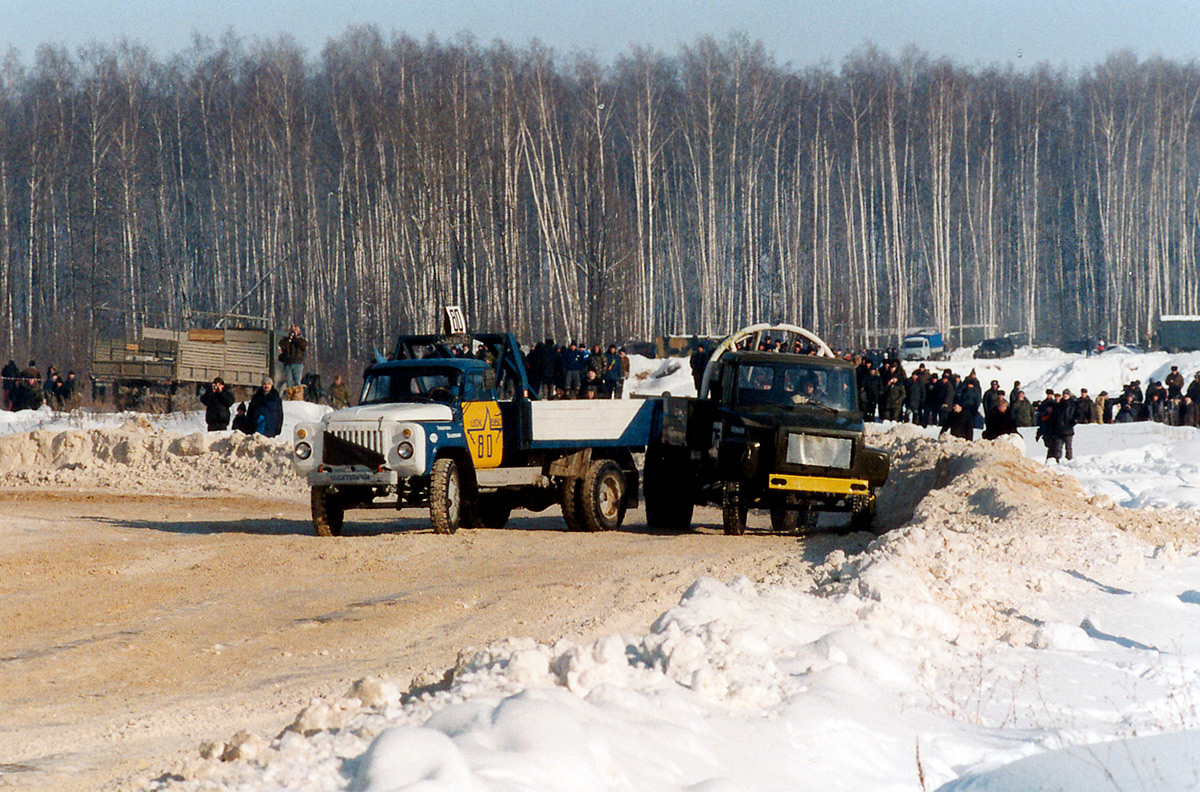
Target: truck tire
<point>445,496</point>
<point>327,512</point>
<point>489,512</point>
<point>733,513</point>
<point>602,496</point>
<point>569,500</point>
<point>784,520</point>
<point>667,485</point>
<point>787,520</point>
<point>863,519</point>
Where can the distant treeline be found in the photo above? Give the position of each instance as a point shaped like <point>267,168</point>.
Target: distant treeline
<point>359,191</point>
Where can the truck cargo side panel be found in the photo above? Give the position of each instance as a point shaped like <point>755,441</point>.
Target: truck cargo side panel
<point>590,423</point>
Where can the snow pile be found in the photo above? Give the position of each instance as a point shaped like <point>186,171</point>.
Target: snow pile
<point>1011,615</point>
<point>1138,465</point>
<point>148,453</point>
<point>294,412</point>
<point>1039,368</point>
<point>142,458</point>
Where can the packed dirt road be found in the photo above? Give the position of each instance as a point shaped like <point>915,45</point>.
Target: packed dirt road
<point>134,627</point>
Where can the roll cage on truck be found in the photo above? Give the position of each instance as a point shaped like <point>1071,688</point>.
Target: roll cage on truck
<point>465,437</point>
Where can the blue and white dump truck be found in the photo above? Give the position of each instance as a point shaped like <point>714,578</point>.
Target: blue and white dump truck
<point>450,424</point>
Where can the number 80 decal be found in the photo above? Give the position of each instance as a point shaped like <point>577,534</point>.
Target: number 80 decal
<point>485,433</point>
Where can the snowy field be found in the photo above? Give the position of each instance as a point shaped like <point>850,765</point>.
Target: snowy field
<point>1019,632</point>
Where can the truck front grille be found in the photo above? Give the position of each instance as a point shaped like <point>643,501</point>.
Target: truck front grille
<point>353,447</point>
<point>367,438</point>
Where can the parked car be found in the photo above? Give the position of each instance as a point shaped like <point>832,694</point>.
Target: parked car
<point>995,348</point>
<point>1079,346</point>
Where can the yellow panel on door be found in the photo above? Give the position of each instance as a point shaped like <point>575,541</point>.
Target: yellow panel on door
<point>485,433</point>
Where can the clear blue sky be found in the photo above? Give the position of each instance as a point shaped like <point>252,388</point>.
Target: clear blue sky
<point>1074,33</point>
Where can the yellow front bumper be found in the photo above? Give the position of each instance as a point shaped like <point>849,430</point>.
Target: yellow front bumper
<point>822,484</point>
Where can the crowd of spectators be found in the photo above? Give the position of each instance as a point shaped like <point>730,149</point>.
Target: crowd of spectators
<point>27,389</point>
<point>574,372</point>
<point>959,405</point>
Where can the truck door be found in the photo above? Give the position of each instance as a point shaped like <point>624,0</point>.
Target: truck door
<point>483,421</point>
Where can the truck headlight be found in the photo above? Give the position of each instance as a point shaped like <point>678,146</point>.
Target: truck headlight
<point>303,450</point>
<point>404,450</point>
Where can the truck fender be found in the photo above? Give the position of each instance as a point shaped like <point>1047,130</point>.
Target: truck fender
<point>876,465</point>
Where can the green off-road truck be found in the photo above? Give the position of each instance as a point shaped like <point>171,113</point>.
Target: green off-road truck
<point>779,430</point>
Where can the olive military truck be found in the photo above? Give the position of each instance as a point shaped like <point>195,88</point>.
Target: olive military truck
<point>770,430</point>
<point>450,424</point>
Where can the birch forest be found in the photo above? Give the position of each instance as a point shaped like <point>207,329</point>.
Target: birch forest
<point>359,190</point>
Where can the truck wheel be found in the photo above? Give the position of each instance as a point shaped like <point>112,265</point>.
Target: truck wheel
<point>327,512</point>
<point>490,511</point>
<point>667,484</point>
<point>794,520</point>
<point>733,513</point>
<point>569,500</point>
<point>445,496</point>
<point>602,497</point>
<point>785,520</point>
<point>863,519</point>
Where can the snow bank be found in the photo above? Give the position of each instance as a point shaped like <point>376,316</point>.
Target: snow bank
<point>136,452</point>
<point>1010,615</point>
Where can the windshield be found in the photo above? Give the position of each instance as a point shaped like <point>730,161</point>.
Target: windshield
<point>411,385</point>
<point>788,384</point>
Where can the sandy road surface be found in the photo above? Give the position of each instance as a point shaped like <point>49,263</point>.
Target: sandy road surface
<point>134,627</point>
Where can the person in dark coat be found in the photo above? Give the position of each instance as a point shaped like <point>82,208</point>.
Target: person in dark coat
<point>1127,412</point>
<point>948,391</point>
<point>550,370</point>
<point>573,360</point>
<point>1174,383</point>
<point>999,421</point>
<point>894,395</point>
<point>992,397</point>
<point>1062,427</point>
<point>916,398</point>
<point>28,394</point>
<point>241,421</point>
<point>699,361</point>
<point>959,423</point>
<point>1022,410</point>
<point>869,391</point>
<point>614,384</point>
<point>1085,408</point>
<point>9,375</point>
<point>597,362</point>
<point>591,385</point>
<point>216,400</point>
<point>266,409</point>
<point>969,395</point>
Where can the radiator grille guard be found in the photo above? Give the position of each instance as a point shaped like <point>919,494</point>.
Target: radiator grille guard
<point>353,447</point>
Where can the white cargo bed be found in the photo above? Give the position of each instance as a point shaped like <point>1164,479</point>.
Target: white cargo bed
<point>591,422</point>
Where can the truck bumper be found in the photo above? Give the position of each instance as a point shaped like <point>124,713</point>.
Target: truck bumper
<point>821,484</point>
<point>362,476</point>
